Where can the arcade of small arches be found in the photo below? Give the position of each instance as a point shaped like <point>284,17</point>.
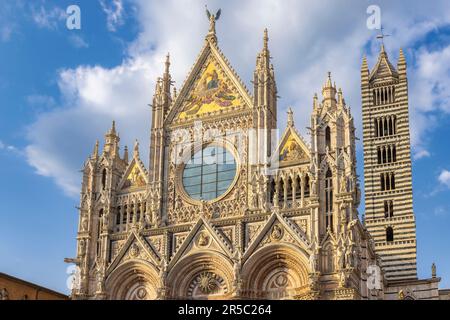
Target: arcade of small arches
<point>288,191</point>
<point>383,95</point>
<point>385,126</point>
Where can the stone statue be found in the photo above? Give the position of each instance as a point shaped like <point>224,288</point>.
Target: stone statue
<point>433,270</point>
<point>313,261</point>
<point>275,198</point>
<point>212,19</point>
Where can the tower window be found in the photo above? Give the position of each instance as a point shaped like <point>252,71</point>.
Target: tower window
<point>386,154</point>
<point>387,181</point>
<point>124,217</point>
<point>118,216</point>
<point>328,138</point>
<point>388,208</point>
<point>389,234</point>
<point>298,191</point>
<point>385,126</point>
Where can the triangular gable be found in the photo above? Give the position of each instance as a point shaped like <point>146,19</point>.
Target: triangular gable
<point>140,244</point>
<point>383,68</point>
<point>212,87</point>
<point>135,176</point>
<point>268,231</point>
<point>292,147</point>
<point>199,234</point>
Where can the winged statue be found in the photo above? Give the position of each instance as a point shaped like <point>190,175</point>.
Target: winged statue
<point>212,19</point>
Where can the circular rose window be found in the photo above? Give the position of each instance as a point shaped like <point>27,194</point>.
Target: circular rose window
<point>209,173</point>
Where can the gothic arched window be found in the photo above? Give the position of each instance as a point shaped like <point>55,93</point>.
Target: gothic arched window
<point>272,190</point>
<point>290,187</point>
<point>389,234</point>
<point>306,187</point>
<point>328,137</point>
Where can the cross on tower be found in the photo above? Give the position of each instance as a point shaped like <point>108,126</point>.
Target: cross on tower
<point>382,35</point>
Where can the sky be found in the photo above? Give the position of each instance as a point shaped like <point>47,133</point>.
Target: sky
<point>60,89</point>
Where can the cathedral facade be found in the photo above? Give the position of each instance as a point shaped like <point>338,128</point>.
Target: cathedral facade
<point>227,210</point>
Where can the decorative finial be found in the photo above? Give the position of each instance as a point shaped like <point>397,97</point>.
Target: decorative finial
<point>328,83</point>
<point>433,270</point>
<point>125,154</point>
<point>381,37</point>
<point>136,149</point>
<point>266,39</point>
<point>167,62</point>
<point>212,22</point>
<point>95,153</point>
<point>113,128</point>
<point>290,120</point>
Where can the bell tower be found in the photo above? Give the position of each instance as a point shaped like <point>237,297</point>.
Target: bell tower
<point>387,166</point>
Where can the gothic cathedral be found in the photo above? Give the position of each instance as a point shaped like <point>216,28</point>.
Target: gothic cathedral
<point>228,209</point>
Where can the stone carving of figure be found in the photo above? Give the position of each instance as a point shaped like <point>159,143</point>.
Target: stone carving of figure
<point>100,282</point>
<point>203,239</point>
<point>313,261</point>
<point>340,257</point>
<point>348,257</point>
<point>254,195</point>
<point>82,247</point>
<point>163,271</point>
<point>275,198</point>
<point>237,265</point>
<point>84,223</point>
<point>314,187</point>
<point>343,184</point>
<point>277,232</point>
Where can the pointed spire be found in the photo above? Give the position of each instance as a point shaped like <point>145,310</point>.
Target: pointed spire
<point>266,39</point>
<point>290,119</point>
<point>174,94</point>
<point>340,97</point>
<point>167,63</point>
<point>364,66</point>
<point>112,131</point>
<point>328,90</point>
<point>401,58</point>
<point>95,153</point>
<point>112,141</point>
<point>125,154</point>
<point>328,83</point>
<point>136,149</point>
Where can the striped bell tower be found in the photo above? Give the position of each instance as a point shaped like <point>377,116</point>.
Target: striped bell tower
<point>387,166</point>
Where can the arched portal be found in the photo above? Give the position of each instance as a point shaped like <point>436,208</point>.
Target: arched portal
<point>204,275</point>
<point>277,271</point>
<point>133,280</point>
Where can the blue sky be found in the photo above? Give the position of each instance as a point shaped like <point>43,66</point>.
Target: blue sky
<point>60,89</point>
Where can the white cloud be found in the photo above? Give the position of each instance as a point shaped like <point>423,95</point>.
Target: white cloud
<point>444,178</point>
<point>421,154</point>
<point>307,39</point>
<point>114,13</point>
<point>9,148</point>
<point>78,41</point>
<point>48,18</point>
